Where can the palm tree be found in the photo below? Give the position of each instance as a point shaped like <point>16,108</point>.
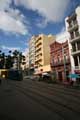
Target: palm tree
<point>10,51</point>
<point>0,51</point>
<point>2,60</point>
<point>19,58</point>
<point>0,54</point>
<point>9,60</point>
<point>15,53</point>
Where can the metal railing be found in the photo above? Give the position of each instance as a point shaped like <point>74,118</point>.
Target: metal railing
<point>77,67</point>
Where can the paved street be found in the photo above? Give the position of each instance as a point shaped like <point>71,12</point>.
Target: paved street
<point>28,99</point>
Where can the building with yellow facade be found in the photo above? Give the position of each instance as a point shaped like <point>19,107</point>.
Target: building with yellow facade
<point>42,52</point>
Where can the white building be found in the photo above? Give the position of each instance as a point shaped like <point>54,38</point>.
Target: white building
<point>32,51</point>
<point>73,28</point>
<point>27,60</point>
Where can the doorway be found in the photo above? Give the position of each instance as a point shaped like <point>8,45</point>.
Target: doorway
<point>60,77</point>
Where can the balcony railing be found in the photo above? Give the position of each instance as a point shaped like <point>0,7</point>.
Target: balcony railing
<point>38,49</point>
<point>77,67</point>
<point>75,35</point>
<point>75,52</point>
<point>60,63</point>
<point>38,58</point>
<point>38,43</point>
<point>75,38</point>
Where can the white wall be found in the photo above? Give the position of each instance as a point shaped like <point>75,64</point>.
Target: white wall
<point>78,16</point>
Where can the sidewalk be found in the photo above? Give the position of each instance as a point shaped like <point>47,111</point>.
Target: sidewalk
<point>71,85</point>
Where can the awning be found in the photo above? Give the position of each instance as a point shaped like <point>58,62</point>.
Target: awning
<point>74,76</point>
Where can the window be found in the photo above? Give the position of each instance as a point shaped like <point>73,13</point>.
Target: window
<point>73,47</point>
<point>78,45</point>
<point>41,70</point>
<point>70,24</point>
<point>72,35</point>
<point>55,60</point>
<point>76,61</point>
<point>74,20</point>
<point>66,57</point>
<point>58,60</point>
<point>76,32</point>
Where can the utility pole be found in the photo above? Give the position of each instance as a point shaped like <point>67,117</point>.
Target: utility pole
<point>64,60</point>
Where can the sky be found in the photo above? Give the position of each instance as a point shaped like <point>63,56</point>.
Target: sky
<point>21,19</point>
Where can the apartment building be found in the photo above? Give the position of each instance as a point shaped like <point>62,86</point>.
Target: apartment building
<point>32,52</point>
<point>42,52</point>
<point>27,59</point>
<point>73,28</point>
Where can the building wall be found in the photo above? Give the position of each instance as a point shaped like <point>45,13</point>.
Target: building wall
<point>46,48</point>
<point>32,51</point>
<point>78,16</point>
<point>45,40</point>
<point>70,47</point>
<point>27,60</point>
<point>60,60</point>
<point>38,51</point>
<point>73,28</point>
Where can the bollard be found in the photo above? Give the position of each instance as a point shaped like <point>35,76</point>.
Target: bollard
<point>0,81</point>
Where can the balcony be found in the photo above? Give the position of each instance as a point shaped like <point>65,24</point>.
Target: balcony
<point>38,53</point>
<point>75,52</point>
<point>71,16</point>
<point>75,38</point>
<point>38,49</point>
<point>77,67</point>
<point>60,63</point>
<point>39,63</point>
<point>73,26</point>
<point>38,43</point>
<point>38,39</point>
<point>39,58</point>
